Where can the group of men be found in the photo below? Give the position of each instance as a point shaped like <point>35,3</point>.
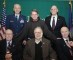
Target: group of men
<point>36,39</point>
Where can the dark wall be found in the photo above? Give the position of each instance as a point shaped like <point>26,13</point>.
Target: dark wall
<point>43,6</point>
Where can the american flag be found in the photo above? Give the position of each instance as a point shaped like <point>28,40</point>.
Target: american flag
<point>3,24</point>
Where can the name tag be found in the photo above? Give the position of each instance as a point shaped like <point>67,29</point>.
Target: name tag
<point>11,21</point>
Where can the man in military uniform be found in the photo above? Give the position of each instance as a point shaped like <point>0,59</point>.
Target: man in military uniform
<point>16,21</point>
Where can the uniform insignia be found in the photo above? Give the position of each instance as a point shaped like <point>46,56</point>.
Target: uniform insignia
<point>59,38</point>
<point>21,21</point>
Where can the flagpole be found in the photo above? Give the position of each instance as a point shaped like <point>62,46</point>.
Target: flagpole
<point>4,3</point>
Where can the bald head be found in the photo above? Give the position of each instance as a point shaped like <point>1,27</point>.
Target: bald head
<point>54,10</point>
<point>9,34</point>
<point>64,32</point>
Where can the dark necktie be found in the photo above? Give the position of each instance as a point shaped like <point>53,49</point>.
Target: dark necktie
<point>69,47</point>
<point>16,17</point>
<point>53,23</point>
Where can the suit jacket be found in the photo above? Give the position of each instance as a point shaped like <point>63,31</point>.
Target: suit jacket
<point>60,23</point>
<point>14,24</point>
<point>16,50</point>
<point>71,31</point>
<point>28,31</point>
<point>63,50</point>
<point>48,52</point>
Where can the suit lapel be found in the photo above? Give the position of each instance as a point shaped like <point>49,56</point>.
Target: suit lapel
<point>14,18</point>
<point>63,42</point>
<point>49,22</point>
<point>66,48</point>
<point>19,17</point>
<point>44,48</point>
<point>33,47</point>
<point>57,23</point>
<point>13,45</point>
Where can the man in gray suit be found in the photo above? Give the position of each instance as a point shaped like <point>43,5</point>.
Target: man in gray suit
<point>39,48</point>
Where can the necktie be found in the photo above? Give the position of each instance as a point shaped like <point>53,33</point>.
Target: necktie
<point>16,17</point>
<point>66,41</point>
<point>53,23</point>
<point>9,44</point>
<point>69,47</point>
<point>8,47</point>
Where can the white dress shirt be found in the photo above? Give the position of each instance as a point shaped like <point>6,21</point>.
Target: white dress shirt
<point>17,16</point>
<point>55,17</point>
<point>8,42</point>
<point>37,41</point>
<point>66,39</point>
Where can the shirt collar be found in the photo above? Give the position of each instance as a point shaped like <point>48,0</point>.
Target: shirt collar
<point>66,39</point>
<point>54,16</point>
<point>37,41</point>
<point>17,15</point>
<point>9,41</point>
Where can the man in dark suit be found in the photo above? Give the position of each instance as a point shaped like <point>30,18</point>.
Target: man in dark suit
<point>10,49</point>
<point>71,32</point>
<point>54,22</point>
<point>39,48</point>
<point>16,21</point>
<point>65,45</point>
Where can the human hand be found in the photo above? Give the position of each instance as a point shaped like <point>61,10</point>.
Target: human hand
<point>8,56</point>
<point>24,42</point>
<point>71,43</point>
